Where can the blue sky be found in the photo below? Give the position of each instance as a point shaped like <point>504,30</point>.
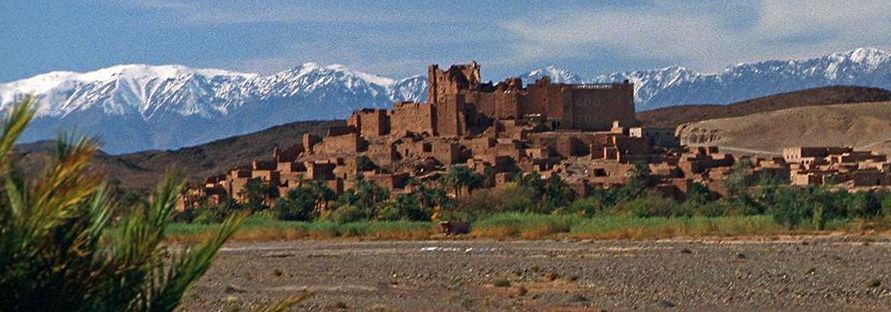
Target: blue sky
<point>396,38</point>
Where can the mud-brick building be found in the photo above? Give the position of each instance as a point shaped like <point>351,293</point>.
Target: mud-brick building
<point>458,103</point>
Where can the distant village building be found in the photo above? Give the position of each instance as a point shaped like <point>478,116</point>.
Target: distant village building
<point>585,133</point>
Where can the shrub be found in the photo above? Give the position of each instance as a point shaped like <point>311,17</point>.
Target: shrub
<point>739,178</point>
<point>482,202</point>
<point>518,201</point>
<point>299,205</point>
<point>211,214</point>
<point>347,213</point>
<point>745,205</point>
<point>587,207</point>
<point>818,221</point>
<point>54,251</point>
<point>257,193</point>
<point>639,179</point>
<point>650,206</point>
<point>363,163</point>
<point>526,225</point>
<point>791,208</point>
<point>713,208</point>
<point>557,194</point>
<point>186,216</point>
<point>404,207</point>
<point>460,178</point>
<point>863,204</point>
<point>501,282</point>
<point>365,195</point>
<point>886,207</point>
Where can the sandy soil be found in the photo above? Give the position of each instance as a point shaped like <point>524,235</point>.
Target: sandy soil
<point>804,274</point>
<point>861,125</point>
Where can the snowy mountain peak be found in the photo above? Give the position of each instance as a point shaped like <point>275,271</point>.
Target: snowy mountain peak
<point>556,74</point>
<point>128,71</point>
<point>340,69</point>
<point>137,106</point>
<point>45,83</point>
<point>869,56</point>
<point>144,71</point>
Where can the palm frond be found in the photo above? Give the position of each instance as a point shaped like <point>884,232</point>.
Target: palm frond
<point>60,250</point>
<point>15,123</point>
<point>189,265</point>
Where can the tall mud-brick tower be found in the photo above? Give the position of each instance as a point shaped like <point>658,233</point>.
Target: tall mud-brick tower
<point>451,81</point>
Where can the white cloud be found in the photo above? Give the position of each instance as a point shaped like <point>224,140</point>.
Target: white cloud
<point>390,37</point>
<point>210,12</point>
<point>682,33</point>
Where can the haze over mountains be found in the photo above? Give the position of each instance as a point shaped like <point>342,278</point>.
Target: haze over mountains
<point>138,107</point>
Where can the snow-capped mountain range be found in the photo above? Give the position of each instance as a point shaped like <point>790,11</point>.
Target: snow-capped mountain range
<point>137,107</point>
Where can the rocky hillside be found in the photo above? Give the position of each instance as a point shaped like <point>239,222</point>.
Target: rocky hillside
<point>862,125</point>
<point>670,117</point>
<point>142,170</point>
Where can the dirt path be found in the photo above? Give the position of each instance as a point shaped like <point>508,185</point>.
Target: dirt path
<point>807,274</point>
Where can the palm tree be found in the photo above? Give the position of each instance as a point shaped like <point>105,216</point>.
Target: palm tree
<point>460,177</point>
<point>60,251</point>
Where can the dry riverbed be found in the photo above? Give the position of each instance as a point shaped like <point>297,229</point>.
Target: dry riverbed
<point>801,273</point>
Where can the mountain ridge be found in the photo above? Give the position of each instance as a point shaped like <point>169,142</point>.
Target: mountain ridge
<point>137,107</point>
<point>141,170</point>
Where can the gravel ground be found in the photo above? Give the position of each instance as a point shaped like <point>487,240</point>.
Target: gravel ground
<point>797,274</point>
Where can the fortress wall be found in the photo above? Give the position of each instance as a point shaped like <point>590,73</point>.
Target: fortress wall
<point>594,108</point>
<point>370,122</point>
<point>507,105</point>
<point>450,119</point>
<point>413,117</point>
<point>346,143</point>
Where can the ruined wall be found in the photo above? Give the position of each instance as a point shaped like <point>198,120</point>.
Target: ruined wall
<point>320,170</point>
<point>545,99</point>
<point>483,102</point>
<point>584,107</point>
<point>413,149</point>
<point>370,122</point>
<point>383,154</point>
<point>631,145</point>
<point>447,153</point>
<point>481,145</point>
<point>235,182</point>
<point>341,130</point>
<point>450,120</point>
<point>309,142</point>
<point>795,154</point>
<point>595,107</point>
<point>569,145</point>
<point>512,149</point>
<point>413,117</point>
<point>507,105</point>
<point>272,177</point>
<point>452,80</point>
<point>388,180</point>
<point>339,144</point>
<point>577,143</point>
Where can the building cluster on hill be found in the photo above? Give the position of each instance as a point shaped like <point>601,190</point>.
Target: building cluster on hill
<point>586,134</point>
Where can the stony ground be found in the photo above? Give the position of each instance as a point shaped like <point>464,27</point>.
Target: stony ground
<point>804,273</point>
